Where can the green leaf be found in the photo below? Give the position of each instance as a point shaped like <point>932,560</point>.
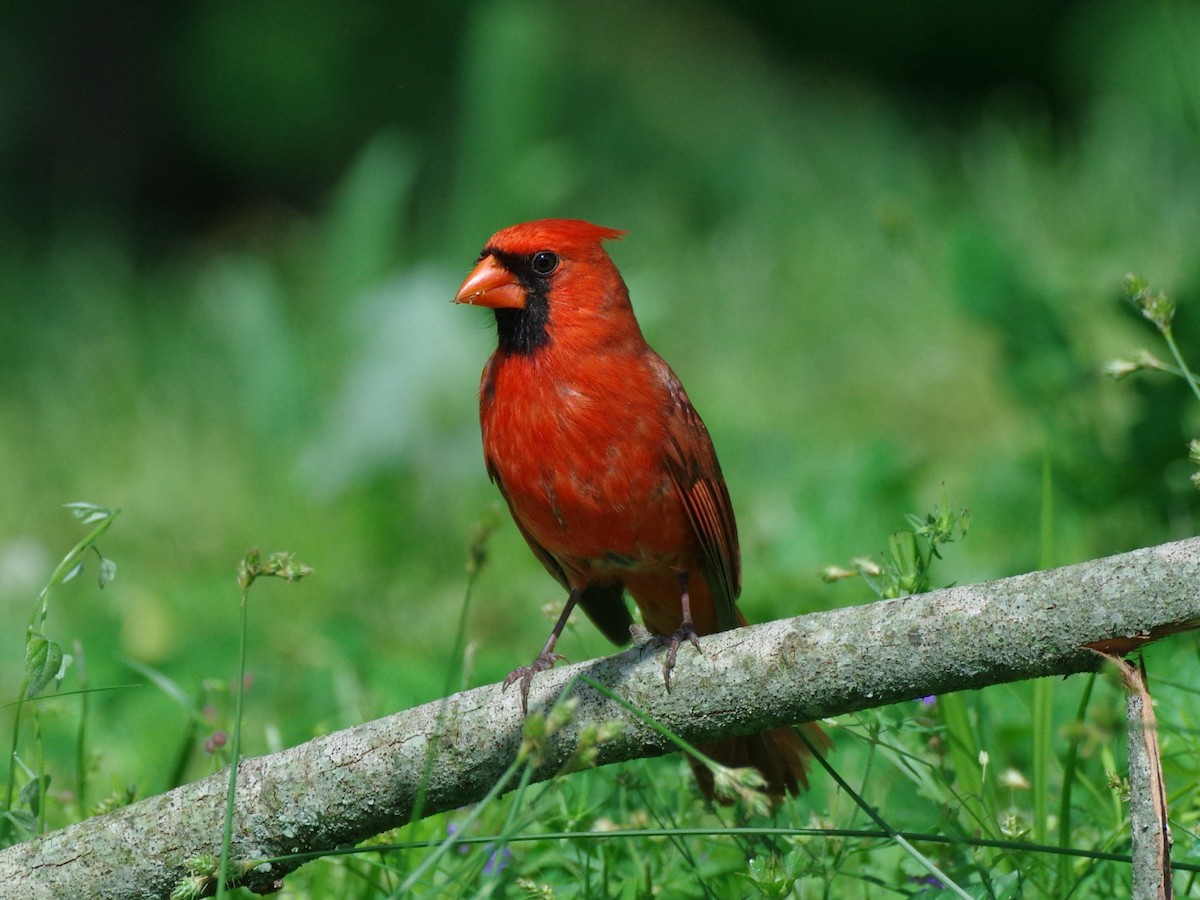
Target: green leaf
<point>89,513</point>
<point>32,793</point>
<point>43,660</point>
<point>167,686</point>
<point>72,572</point>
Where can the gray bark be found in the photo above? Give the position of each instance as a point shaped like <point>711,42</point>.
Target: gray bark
<point>1149,828</point>
<point>344,787</point>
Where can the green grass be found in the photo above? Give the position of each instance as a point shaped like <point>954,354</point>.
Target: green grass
<point>871,311</point>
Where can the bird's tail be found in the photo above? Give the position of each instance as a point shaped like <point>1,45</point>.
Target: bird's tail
<point>779,755</point>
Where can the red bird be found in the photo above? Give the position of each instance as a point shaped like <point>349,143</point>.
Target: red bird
<point>605,464</point>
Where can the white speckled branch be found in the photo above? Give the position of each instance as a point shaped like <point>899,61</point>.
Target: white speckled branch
<point>344,787</point>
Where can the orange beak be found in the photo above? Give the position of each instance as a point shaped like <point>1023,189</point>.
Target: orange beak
<point>493,286</point>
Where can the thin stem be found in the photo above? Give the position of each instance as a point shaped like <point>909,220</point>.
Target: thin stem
<point>81,733</point>
<point>1069,766</point>
<point>862,804</point>
<point>474,567</point>
<point>1188,376</point>
<point>675,739</point>
<point>236,749</point>
<point>444,846</point>
<point>891,832</point>
<point>1043,688</point>
<point>915,837</point>
<point>41,771</point>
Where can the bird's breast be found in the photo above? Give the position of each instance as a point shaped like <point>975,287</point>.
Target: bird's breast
<point>581,462</point>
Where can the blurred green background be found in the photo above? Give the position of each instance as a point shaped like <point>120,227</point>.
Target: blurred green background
<point>882,245</point>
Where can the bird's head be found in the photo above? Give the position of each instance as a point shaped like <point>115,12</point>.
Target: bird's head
<point>544,276</point>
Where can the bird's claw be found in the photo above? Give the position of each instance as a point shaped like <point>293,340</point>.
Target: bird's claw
<point>524,674</point>
<point>685,632</point>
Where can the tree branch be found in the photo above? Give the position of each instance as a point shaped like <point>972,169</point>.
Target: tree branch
<point>344,787</point>
<point>1149,826</point>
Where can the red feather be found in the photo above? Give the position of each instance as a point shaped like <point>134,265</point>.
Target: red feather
<point>607,468</point>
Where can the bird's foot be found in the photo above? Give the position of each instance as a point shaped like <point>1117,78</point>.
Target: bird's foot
<point>524,674</point>
<point>685,632</point>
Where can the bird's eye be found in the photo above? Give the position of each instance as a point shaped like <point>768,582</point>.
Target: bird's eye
<point>544,262</point>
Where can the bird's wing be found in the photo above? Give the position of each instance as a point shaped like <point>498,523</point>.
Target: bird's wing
<point>692,463</point>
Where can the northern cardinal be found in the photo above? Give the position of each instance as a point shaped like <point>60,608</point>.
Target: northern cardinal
<point>605,464</point>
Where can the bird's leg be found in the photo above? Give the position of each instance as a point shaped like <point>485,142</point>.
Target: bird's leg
<point>545,660</point>
<point>685,632</point>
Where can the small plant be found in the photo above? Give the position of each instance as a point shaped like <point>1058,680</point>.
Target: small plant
<point>250,569</point>
<point>1159,309</point>
<point>45,665</point>
<point>907,562</point>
